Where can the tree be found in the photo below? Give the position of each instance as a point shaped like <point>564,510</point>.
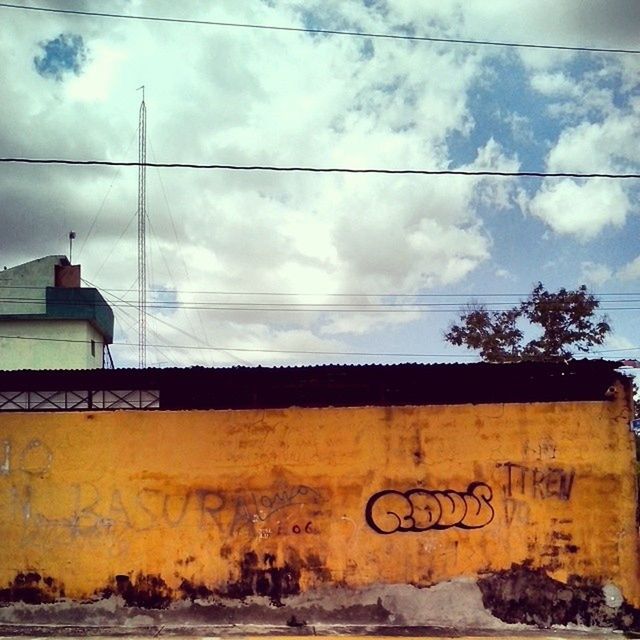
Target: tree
<point>566,320</point>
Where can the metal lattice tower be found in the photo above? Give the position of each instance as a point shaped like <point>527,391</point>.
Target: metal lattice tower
<point>142,234</point>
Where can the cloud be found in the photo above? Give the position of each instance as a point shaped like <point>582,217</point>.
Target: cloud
<point>631,270</point>
<point>595,273</point>
<point>491,192</point>
<point>504,274</point>
<point>265,97</point>
<point>582,209</point>
<point>610,145</point>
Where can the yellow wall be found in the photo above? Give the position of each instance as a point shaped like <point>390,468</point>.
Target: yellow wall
<point>189,495</point>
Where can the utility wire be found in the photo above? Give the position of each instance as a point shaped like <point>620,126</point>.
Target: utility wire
<point>467,295</point>
<point>116,174</point>
<point>328,32</point>
<point>289,351</point>
<point>164,322</point>
<point>388,307</point>
<point>180,252</point>
<point>235,167</point>
<point>255,350</point>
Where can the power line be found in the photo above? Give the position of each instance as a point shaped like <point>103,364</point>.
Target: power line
<point>295,307</point>
<point>466,295</point>
<point>289,169</point>
<point>288,351</point>
<point>256,350</point>
<point>328,32</point>
<point>164,322</point>
<point>180,253</point>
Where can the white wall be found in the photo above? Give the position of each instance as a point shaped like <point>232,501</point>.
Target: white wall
<point>23,288</point>
<point>63,344</point>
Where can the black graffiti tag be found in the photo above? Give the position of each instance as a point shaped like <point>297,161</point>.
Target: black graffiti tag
<point>417,510</point>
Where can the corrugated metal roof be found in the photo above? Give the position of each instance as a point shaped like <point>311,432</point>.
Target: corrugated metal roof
<point>340,385</point>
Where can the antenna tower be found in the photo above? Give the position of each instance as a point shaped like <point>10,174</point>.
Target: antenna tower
<point>142,234</point>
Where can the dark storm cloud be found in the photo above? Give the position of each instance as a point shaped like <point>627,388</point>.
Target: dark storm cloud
<point>608,23</point>
<point>40,205</point>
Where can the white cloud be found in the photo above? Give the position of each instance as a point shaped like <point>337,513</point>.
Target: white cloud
<point>589,147</point>
<point>258,97</point>
<point>496,193</point>
<point>595,273</point>
<point>581,209</point>
<point>554,84</point>
<point>630,271</point>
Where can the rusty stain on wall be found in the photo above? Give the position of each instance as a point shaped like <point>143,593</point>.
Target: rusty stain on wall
<point>31,588</point>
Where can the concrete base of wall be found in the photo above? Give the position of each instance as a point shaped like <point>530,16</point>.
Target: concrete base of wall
<point>518,602</point>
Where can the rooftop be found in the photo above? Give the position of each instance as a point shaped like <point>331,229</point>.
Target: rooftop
<point>339,385</point>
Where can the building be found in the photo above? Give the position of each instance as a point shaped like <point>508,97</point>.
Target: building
<point>49,321</point>
<point>345,499</point>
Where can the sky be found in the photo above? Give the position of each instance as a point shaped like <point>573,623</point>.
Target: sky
<point>264,268</point>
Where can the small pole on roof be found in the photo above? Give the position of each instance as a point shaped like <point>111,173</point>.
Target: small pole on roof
<point>72,236</point>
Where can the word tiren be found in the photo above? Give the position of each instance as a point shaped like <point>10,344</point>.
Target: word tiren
<point>417,510</point>
<point>538,483</point>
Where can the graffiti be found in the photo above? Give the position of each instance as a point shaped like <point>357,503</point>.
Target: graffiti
<point>5,467</point>
<point>167,508</point>
<point>537,483</point>
<point>94,510</point>
<point>296,529</point>
<point>417,510</point>
<point>544,450</point>
<point>35,459</point>
<point>554,547</point>
<point>516,511</point>
<point>254,508</point>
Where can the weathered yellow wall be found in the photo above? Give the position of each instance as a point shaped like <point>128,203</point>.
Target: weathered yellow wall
<point>189,495</point>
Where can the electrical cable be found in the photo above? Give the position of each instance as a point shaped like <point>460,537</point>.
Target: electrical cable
<point>166,323</point>
<point>467,295</point>
<point>115,244</point>
<point>179,251</point>
<point>328,32</point>
<point>389,307</point>
<point>303,169</point>
<point>290,351</point>
<point>255,350</point>
<point>116,174</point>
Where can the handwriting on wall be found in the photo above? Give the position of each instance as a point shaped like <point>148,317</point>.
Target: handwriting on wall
<point>539,483</point>
<point>94,509</point>
<point>254,508</point>
<point>285,508</point>
<point>34,459</point>
<point>545,449</point>
<point>417,510</point>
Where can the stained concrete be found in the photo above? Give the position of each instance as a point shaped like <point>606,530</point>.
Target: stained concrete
<point>450,609</point>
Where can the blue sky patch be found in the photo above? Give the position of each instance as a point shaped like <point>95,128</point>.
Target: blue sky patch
<point>66,53</point>
<point>505,108</point>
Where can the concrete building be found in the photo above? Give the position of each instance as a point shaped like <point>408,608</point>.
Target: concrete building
<point>48,321</point>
